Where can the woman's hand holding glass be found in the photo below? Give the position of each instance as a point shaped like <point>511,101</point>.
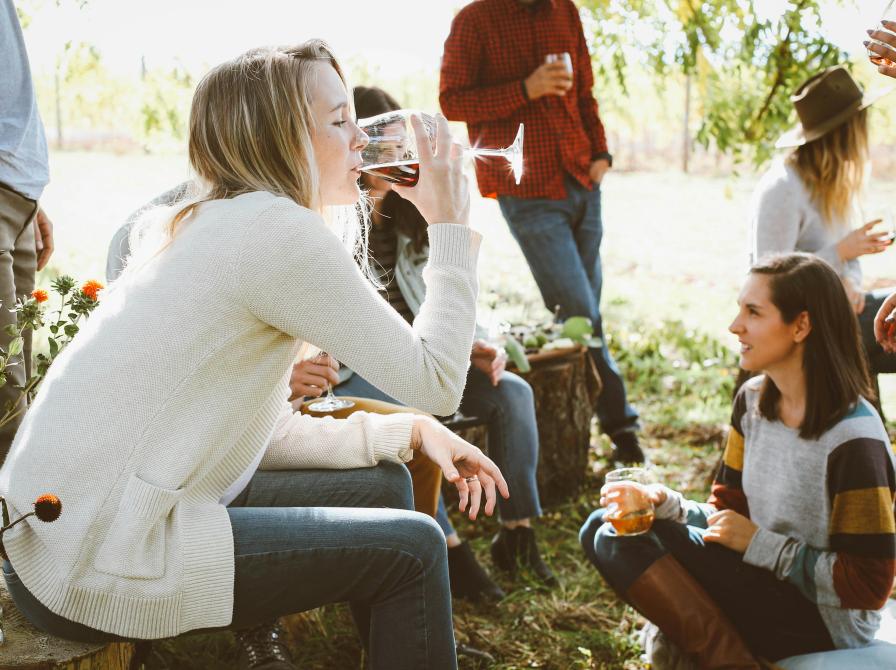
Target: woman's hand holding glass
<point>885,325</point>
<point>441,193</point>
<point>311,376</point>
<point>864,240</point>
<point>490,360</point>
<point>465,466</point>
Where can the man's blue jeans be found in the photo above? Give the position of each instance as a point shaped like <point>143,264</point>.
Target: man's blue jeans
<point>509,409</point>
<point>303,538</point>
<point>561,242</point>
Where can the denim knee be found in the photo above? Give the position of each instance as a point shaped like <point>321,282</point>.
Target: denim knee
<point>619,559</point>
<point>425,541</point>
<point>393,483</point>
<point>588,533</point>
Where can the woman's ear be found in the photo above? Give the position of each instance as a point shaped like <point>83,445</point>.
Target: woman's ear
<point>802,326</point>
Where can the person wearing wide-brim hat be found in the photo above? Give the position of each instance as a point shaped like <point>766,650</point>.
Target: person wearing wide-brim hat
<point>809,199</point>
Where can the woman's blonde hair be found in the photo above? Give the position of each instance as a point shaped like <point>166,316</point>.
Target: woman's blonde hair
<point>250,130</point>
<point>833,168</point>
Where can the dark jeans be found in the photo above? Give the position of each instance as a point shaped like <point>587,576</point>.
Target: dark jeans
<point>773,617</point>
<point>561,242</point>
<point>509,409</point>
<point>308,538</point>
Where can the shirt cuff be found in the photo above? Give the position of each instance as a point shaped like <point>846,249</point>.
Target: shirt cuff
<point>765,550</point>
<point>392,439</point>
<point>672,508</point>
<point>454,244</point>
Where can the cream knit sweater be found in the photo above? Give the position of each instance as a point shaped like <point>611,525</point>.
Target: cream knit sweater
<point>178,380</point>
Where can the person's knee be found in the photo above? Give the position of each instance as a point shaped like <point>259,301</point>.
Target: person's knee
<point>425,540</point>
<point>393,483</point>
<point>588,533</point>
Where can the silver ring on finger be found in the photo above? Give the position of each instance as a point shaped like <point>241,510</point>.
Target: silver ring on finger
<point>474,478</point>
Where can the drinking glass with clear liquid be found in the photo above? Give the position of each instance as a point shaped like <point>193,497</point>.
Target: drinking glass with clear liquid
<point>630,510</point>
<point>889,14</point>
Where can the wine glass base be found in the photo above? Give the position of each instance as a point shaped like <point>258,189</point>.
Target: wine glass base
<point>330,405</point>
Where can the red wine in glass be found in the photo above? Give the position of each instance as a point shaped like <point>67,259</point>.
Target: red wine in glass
<point>404,173</point>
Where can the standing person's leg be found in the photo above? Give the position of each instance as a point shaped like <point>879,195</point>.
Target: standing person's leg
<point>703,596</point>
<point>18,263</point>
<point>389,563</point>
<point>509,409</point>
<point>546,231</point>
<point>616,415</point>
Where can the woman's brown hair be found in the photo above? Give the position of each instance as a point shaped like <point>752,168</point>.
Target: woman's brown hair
<point>833,168</point>
<point>373,101</point>
<point>834,362</point>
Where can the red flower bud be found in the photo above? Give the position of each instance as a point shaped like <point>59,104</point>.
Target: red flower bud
<point>47,507</point>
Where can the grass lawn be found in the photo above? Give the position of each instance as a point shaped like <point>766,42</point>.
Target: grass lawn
<point>674,256</point>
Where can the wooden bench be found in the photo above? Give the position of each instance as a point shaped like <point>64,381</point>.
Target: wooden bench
<point>26,648</point>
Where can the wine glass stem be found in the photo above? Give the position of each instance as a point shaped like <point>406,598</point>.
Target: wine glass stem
<point>476,153</point>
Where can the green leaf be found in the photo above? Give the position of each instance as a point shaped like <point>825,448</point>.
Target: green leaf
<point>15,346</point>
<point>11,329</point>
<point>54,346</point>
<point>517,354</point>
<point>54,329</point>
<point>71,329</point>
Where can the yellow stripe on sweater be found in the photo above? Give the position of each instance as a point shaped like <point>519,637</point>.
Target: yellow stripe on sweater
<point>863,511</point>
<point>734,450</point>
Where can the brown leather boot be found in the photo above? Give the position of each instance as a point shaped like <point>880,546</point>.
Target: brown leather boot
<point>671,598</point>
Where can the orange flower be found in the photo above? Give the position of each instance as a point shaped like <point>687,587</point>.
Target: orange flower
<point>40,295</point>
<point>91,288</point>
<point>47,507</point>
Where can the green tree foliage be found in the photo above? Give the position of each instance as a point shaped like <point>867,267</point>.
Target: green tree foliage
<point>744,64</point>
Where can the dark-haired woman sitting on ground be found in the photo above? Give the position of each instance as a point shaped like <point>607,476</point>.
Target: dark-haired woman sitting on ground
<point>794,552</point>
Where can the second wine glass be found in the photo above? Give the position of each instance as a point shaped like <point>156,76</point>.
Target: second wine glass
<point>889,14</point>
<point>391,153</point>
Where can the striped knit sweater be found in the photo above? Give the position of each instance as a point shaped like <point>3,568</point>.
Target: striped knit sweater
<point>824,509</point>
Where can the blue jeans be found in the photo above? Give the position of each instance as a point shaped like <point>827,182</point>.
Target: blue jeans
<point>561,242</point>
<point>303,539</point>
<point>774,618</point>
<point>509,409</point>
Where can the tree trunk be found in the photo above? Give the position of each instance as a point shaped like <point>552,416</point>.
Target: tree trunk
<point>26,648</point>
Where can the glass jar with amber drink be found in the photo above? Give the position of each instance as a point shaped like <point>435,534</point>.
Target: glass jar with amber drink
<point>630,503</point>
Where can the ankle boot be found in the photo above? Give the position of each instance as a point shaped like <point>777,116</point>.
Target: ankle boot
<point>263,648</point>
<point>468,578</point>
<point>672,599</point>
<point>515,548</point>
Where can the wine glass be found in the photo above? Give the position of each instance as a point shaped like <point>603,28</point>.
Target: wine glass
<point>889,14</point>
<point>330,403</point>
<point>391,153</point>
<point>631,510</point>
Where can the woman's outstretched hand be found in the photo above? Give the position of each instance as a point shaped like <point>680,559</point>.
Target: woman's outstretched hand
<point>465,466</point>
<point>886,47</point>
<point>442,193</point>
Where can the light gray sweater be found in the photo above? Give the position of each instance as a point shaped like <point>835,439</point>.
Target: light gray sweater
<point>784,219</point>
<point>178,380</point>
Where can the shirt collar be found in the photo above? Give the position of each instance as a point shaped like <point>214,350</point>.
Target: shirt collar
<point>535,7</point>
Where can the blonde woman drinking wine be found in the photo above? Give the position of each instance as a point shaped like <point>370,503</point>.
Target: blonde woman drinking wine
<point>165,427</point>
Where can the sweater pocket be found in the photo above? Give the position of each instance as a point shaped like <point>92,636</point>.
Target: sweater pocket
<point>135,543</point>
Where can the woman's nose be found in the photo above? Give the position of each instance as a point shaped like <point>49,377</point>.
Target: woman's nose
<point>361,139</point>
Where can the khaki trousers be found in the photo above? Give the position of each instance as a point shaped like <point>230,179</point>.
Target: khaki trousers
<point>18,265</point>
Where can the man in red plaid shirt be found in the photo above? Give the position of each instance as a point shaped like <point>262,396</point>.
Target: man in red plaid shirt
<point>494,77</point>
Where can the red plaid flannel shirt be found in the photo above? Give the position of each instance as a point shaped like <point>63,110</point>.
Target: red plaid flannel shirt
<point>493,46</point>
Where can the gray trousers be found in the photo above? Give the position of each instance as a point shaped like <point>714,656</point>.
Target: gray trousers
<point>18,264</point>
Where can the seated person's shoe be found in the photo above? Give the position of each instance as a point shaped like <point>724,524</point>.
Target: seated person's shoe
<point>468,578</point>
<point>515,548</point>
<point>263,648</point>
<point>627,450</point>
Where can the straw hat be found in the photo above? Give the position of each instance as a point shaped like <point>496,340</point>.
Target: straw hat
<point>824,102</point>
